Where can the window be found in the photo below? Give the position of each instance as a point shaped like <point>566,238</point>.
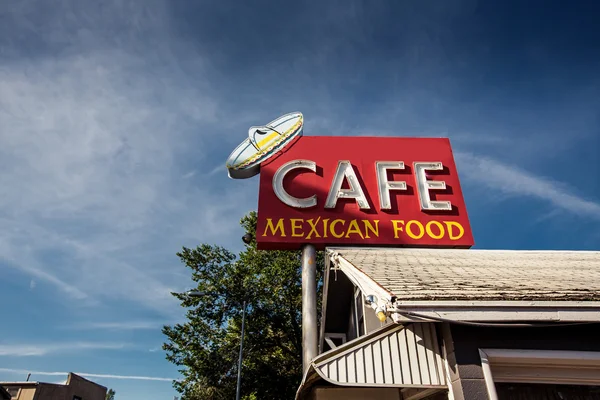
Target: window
<point>544,391</point>
<point>14,392</point>
<point>533,374</point>
<point>359,313</point>
<point>333,340</point>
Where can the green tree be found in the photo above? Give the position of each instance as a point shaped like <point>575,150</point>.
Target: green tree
<point>206,346</point>
<point>110,395</point>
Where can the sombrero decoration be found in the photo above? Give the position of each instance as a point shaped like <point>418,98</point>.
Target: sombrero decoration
<point>263,142</point>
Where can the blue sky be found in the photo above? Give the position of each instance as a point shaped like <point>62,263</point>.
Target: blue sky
<point>116,118</point>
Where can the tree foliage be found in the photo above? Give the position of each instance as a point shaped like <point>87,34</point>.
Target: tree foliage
<point>206,347</point>
<point>110,395</point>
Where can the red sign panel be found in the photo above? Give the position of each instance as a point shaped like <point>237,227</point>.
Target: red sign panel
<point>369,191</point>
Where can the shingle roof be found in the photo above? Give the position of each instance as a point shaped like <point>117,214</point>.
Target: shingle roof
<point>453,274</point>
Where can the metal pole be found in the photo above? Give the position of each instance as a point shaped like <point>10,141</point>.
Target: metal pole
<point>309,305</point>
<point>239,371</point>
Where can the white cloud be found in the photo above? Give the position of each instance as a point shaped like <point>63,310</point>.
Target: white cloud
<point>189,175</point>
<point>216,170</point>
<point>127,377</point>
<point>513,181</point>
<point>92,146</point>
<point>104,163</point>
<point>85,374</point>
<point>119,326</point>
<point>28,350</point>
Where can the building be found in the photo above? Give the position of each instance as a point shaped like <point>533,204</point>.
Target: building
<point>457,324</point>
<point>76,388</point>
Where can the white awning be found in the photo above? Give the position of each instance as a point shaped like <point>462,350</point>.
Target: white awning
<point>393,356</point>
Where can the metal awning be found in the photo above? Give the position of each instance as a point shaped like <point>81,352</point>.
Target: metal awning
<point>393,356</point>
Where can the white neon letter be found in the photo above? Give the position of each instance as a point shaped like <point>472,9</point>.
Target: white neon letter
<point>345,170</point>
<point>424,186</point>
<point>384,185</point>
<point>281,193</point>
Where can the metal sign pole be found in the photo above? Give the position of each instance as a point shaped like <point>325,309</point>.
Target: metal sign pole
<point>309,305</point>
<point>238,389</point>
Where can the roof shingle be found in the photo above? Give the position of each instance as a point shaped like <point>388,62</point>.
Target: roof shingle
<point>453,274</point>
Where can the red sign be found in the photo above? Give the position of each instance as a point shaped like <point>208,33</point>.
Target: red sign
<point>371,191</point>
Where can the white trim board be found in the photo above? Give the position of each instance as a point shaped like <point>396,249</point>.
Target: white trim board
<point>360,279</point>
<point>497,304</point>
<point>499,311</point>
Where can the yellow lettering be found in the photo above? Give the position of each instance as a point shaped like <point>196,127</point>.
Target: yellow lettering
<point>369,227</point>
<point>397,228</point>
<point>313,228</point>
<point>332,227</point>
<point>325,221</point>
<point>451,235</point>
<point>296,226</point>
<point>353,228</point>
<point>430,232</point>
<point>409,231</point>
<point>274,229</point>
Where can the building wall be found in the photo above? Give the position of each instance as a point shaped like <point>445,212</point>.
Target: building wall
<point>87,390</point>
<point>462,344</point>
<point>351,331</point>
<point>75,386</point>
<point>50,391</point>
<point>372,321</point>
<point>27,392</point>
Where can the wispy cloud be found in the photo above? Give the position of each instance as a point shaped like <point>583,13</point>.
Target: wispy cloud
<point>95,140</point>
<point>85,374</point>
<point>110,162</point>
<point>189,175</point>
<point>116,120</point>
<point>15,254</point>
<point>216,170</point>
<point>513,181</point>
<point>120,326</point>
<point>28,350</point>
